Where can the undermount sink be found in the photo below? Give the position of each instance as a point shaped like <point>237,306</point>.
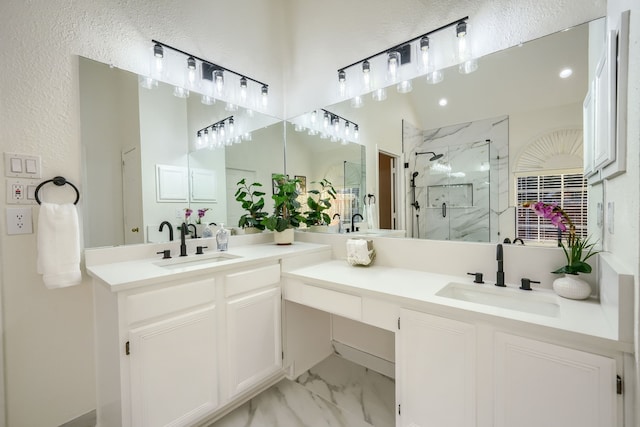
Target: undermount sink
<point>512,299</point>
<point>190,261</point>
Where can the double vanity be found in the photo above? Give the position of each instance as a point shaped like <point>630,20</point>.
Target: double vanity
<point>183,341</point>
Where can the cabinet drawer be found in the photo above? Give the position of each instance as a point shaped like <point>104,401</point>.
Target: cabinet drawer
<point>248,280</point>
<point>324,299</point>
<point>147,305</point>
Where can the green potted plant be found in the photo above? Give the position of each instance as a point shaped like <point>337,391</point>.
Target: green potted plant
<point>285,217</point>
<point>318,202</point>
<point>252,201</point>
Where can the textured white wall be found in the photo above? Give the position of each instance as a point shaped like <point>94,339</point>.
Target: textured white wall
<point>48,335</point>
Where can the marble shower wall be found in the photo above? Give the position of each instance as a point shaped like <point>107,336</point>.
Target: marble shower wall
<point>471,179</point>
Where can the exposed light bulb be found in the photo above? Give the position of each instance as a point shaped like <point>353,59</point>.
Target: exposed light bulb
<point>219,81</point>
<point>265,95</point>
<point>205,139</point>
<point>207,100</point>
<point>379,94</point>
<point>468,64</point>
<point>221,131</point>
<point>199,141</point>
<point>356,132</point>
<point>393,62</point>
<point>347,131</point>
<point>191,66</point>
<point>232,126</point>
<point>435,77</point>
<point>158,54</point>
<point>342,83</point>
<point>425,64</point>
<point>404,86</point>
<point>325,121</point>
<point>180,92</point>
<point>366,76</point>
<point>336,124</point>
<point>243,88</point>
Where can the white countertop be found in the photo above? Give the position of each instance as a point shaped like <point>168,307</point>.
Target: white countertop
<point>139,272</point>
<point>411,287</point>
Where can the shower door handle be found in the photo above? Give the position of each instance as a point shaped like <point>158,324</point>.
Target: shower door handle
<point>444,210</point>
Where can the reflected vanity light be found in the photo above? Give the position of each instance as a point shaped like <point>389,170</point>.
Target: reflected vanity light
<point>217,135</point>
<point>180,92</point>
<point>443,102</point>
<point>332,125</point>
<point>379,94</point>
<point>404,86</point>
<point>204,77</point>
<point>392,68</point>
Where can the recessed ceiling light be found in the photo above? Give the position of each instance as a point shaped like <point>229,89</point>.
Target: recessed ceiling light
<point>566,73</point>
<point>443,102</point>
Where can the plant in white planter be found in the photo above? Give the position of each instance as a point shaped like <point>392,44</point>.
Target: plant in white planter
<point>252,201</point>
<point>577,251</point>
<point>285,217</point>
<point>319,202</point>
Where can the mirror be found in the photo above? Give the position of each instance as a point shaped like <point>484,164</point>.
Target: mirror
<point>313,157</point>
<point>141,165</point>
<point>512,117</point>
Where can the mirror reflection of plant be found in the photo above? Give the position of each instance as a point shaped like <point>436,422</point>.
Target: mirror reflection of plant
<point>201,214</point>
<point>252,201</point>
<point>187,214</point>
<point>286,205</point>
<point>318,202</point>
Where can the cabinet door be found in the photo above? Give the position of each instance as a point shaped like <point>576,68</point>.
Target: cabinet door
<point>435,381</point>
<point>540,384</point>
<point>254,346</point>
<point>173,366</point>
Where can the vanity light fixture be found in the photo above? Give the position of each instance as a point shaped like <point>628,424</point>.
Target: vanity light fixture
<point>205,77</point>
<point>374,76</point>
<point>221,133</point>
<point>331,126</point>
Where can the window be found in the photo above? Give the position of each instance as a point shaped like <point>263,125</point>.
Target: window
<point>569,191</point>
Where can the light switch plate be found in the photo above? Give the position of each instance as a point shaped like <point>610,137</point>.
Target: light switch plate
<point>610,215</point>
<point>21,166</point>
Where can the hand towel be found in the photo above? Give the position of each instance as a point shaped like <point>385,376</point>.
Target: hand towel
<point>59,245</point>
<point>372,216</point>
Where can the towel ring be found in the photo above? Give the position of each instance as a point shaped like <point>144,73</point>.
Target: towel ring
<point>59,181</point>
<point>368,197</point>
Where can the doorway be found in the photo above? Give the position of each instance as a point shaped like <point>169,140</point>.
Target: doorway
<point>387,191</point>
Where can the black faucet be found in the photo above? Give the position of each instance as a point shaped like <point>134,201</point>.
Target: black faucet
<point>353,217</point>
<point>183,244</point>
<point>168,224</point>
<point>517,239</point>
<point>195,230</point>
<point>500,273</point>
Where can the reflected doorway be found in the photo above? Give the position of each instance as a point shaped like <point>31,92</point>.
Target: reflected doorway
<point>387,191</point>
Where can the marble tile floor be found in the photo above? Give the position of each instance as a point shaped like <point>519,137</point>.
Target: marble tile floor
<point>334,393</point>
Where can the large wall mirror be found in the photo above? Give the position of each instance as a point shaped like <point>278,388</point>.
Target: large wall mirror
<point>466,141</point>
<point>143,163</point>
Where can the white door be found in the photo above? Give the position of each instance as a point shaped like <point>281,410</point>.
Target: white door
<point>132,197</point>
<point>173,369</point>
<point>254,347</point>
<point>540,384</point>
<point>435,381</point>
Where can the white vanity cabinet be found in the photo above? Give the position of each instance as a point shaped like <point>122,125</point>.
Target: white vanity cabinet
<point>172,353</point>
<point>173,369</point>
<point>435,371</point>
<point>254,347</point>
<point>541,384</point>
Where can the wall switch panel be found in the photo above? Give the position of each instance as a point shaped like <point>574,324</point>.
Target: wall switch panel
<point>21,191</point>
<point>610,216</point>
<point>21,166</point>
<point>19,221</point>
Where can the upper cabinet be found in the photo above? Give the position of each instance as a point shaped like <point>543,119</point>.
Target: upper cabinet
<point>604,108</point>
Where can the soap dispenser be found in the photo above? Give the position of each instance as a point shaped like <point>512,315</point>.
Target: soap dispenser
<point>222,238</point>
<point>207,232</point>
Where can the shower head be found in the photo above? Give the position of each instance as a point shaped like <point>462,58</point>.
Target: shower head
<point>414,174</point>
<point>433,157</point>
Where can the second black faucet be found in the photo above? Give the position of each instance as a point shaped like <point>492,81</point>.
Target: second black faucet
<point>500,272</point>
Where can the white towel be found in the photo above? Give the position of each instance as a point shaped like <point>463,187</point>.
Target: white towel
<point>372,216</point>
<point>59,245</point>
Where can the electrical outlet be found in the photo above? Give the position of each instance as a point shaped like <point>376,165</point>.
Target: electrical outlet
<point>19,221</point>
<point>179,213</point>
<point>21,191</point>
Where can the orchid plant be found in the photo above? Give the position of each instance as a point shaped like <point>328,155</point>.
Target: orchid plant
<point>201,213</point>
<point>577,250</point>
<point>187,214</point>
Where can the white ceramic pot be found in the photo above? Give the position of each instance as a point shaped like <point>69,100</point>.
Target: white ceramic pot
<point>319,228</point>
<point>572,286</point>
<point>284,237</point>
